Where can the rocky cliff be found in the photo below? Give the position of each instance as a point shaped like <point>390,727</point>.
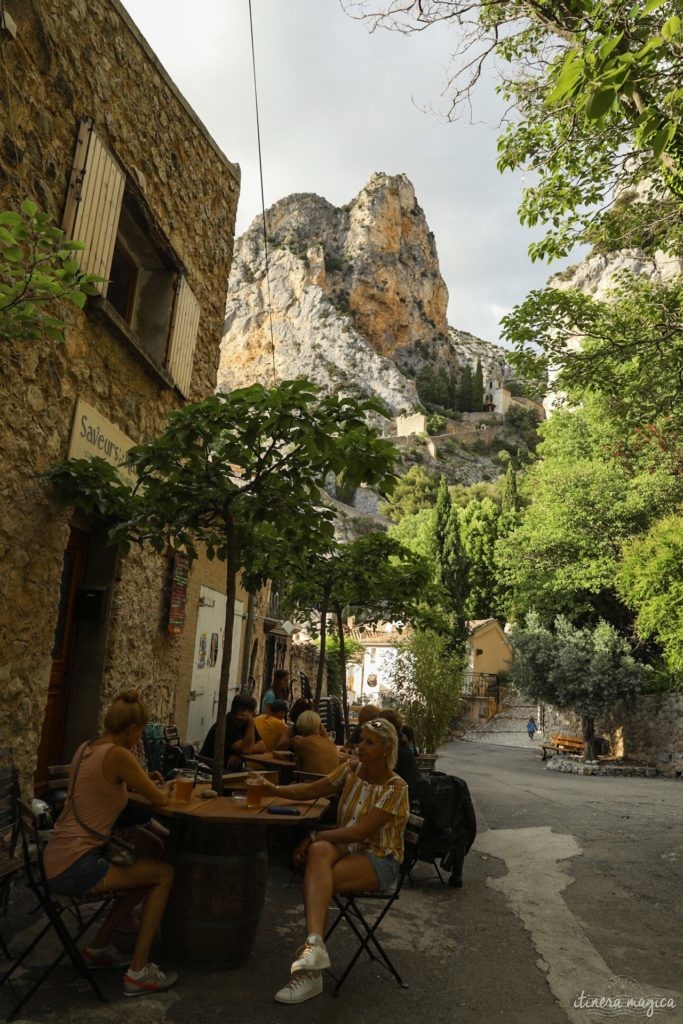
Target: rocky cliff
<point>357,300</point>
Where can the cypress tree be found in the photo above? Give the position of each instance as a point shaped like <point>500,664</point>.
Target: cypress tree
<point>478,389</point>
<point>510,498</point>
<point>451,559</point>
<point>465,392</point>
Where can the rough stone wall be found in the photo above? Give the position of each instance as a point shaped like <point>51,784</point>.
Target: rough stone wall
<point>68,61</point>
<point>305,658</point>
<point>650,732</point>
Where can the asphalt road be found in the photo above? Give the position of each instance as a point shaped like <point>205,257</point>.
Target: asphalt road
<point>572,892</point>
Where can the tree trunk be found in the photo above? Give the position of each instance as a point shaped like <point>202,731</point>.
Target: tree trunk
<point>588,725</point>
<point>342,665</point>
<point>230,593</point>
<point>323,644</point>
<point>248,634</point>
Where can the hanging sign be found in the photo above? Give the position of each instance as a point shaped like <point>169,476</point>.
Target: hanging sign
<point>181,572</point>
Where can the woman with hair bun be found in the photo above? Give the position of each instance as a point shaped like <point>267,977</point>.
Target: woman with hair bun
<point>100,775</point>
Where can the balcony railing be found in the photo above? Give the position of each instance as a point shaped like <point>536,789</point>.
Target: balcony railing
<point>480,684</point>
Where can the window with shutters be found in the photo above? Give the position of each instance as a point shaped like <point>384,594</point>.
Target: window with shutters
<point>145,294</point>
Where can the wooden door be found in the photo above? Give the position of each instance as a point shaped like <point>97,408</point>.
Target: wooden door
<point>52,736</point>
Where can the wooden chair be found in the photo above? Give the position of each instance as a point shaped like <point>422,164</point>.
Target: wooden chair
<point>53,906</point>
<point>9,832</point>
<point>366,931</point>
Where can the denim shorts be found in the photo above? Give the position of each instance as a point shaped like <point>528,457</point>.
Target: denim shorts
<point>385,868</point>
<point>82,876</point>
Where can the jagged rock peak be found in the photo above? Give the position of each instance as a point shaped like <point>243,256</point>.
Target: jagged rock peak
<point>350,288</point>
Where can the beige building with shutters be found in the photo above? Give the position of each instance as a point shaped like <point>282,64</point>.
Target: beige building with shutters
<point>97,134</point>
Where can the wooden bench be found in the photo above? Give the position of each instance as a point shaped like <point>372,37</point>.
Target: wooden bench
<point>563,745</point>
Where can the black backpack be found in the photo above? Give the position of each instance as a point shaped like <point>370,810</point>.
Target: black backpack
<point>450,824</point>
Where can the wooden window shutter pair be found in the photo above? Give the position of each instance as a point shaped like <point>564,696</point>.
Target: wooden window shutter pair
<point>92,213</point>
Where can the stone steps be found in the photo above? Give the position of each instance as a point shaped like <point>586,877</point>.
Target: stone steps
<point>508,727</point>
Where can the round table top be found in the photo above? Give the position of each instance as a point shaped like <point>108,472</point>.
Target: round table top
<point>227,809</point>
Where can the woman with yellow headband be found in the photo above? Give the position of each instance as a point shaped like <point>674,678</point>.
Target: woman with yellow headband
<point>363,852</point>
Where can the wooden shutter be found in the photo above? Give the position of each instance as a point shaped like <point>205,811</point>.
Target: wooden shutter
<point>184,327</point>
<point>93,205</point>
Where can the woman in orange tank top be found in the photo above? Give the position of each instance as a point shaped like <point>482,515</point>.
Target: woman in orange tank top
<point>100,775</point>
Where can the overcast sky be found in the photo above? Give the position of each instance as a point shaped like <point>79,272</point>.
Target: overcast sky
<point>336,105</point>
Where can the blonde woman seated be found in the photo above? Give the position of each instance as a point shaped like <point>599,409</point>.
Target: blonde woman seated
<point>363,852</point>
<point>313,750</point>
<point>100,775</point>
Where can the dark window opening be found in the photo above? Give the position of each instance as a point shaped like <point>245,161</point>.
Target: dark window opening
<point>142,280</point>
<point>123,281</point>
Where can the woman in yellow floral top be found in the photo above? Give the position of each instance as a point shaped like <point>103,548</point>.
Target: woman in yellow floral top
<point>363,852</point>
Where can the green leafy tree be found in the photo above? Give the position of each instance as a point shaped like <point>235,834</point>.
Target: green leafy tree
<point>373,576</point>
<point>413,491</point>
<point>586,670</point>
<point>417,533</point>
<point>242,475</point>
<point>38,270</point>
<point>563,557</point>
<point>426,676</point>
<point>650,581</point>
<point>627,350</point>
<point>596,86</point>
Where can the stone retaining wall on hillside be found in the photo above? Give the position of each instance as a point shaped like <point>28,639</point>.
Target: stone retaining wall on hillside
<point>651,732</point>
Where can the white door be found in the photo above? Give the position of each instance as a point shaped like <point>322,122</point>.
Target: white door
<point>208,657</point>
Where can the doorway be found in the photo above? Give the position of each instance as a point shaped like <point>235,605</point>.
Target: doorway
<point>208,658</point>
<point>52,735</point>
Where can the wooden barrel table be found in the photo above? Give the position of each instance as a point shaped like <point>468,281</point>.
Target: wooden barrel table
<point>218,892</point>
<point>218,850</point>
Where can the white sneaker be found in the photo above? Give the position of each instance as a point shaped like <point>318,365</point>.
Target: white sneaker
<point>311,957</point>
<point>148,981</point>
<point>302,986</point>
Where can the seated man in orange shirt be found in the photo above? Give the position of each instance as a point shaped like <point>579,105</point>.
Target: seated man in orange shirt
<point>271,725</point>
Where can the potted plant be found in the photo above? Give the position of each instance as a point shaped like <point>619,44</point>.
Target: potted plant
<point>426,679</point>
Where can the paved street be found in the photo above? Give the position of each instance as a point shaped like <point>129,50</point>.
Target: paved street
<point>574,886</point>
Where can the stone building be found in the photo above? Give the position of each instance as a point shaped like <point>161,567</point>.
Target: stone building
<point>96,133</point>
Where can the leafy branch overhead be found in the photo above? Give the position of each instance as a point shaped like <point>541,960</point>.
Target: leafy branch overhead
<point>241,475</point>
<point>594,91</point>
<point>38,270</point>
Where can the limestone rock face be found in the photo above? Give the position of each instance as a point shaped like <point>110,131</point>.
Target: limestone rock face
<point>357,302</point>
<point>597,274</point>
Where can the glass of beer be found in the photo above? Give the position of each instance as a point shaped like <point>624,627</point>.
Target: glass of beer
<point>254,790</point>
<point>183,786</point>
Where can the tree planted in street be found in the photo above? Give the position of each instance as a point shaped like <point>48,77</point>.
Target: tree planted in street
<point>585,670</point>
<point>374,576</point>
<point>240,474</point>
<point>426,677</point>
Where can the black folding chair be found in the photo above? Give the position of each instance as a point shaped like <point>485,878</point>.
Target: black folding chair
<point>57,787</point>
<point>364,930</point>
<point>53,906</point>
<point>9,832</point>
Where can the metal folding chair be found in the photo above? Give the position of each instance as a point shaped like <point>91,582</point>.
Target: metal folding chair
<point>9,832</point>
<point>57,787</point>
<point>364,930</point>
<point>53,906</point>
